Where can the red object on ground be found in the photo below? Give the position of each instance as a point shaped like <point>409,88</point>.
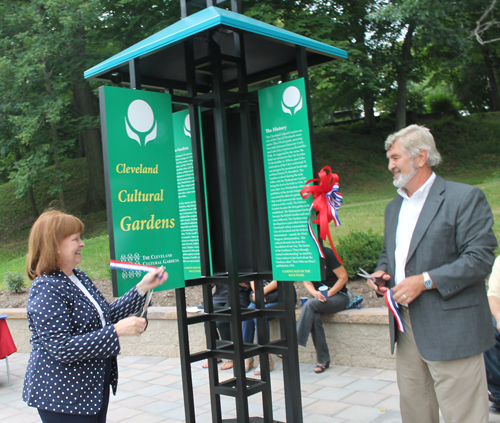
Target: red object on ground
<point>7,346</point>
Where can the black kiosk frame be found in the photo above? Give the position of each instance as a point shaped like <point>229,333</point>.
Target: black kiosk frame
<point>213,57</point>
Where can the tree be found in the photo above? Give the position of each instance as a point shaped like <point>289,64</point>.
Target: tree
<point>349,85</point>
<point>424,34</point>
<point>35,95</point>
<point>47,104</point>
<point>357,81</point>
<point>475,74</point>
<point>485,23</point>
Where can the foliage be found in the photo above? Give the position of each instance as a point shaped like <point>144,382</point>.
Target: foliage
<point>16,218</point>
<point>360,249</point>
<point>47,44</point>
<point>48,112</point>
<point>416,99</point>
<point>441,103</point>
<point>35,76</point>
<point>469,147</point>
<point>14,281</point>
<point>393,48</point>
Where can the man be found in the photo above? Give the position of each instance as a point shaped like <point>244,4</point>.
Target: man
<point>438,250</point>
<point>492,356</point>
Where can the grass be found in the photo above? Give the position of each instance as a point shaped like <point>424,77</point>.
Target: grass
<point>470,148</point>
<point>95,257</point>
<point>16,218</point>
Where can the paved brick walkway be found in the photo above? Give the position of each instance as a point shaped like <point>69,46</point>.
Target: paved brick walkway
<point>150,391</point>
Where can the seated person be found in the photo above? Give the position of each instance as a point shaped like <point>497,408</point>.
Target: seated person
<point>270,298</point>
<point>220,299</point>
<point>492,356</point>
<point>316,305</point>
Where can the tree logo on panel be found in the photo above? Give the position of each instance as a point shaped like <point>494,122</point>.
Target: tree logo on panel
<point>131,258</point>
<point>292,100</point>
<point>140,122</point>
<point>187,126</point>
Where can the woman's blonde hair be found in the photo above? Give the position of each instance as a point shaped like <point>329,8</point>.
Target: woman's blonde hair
<point>45,238</point>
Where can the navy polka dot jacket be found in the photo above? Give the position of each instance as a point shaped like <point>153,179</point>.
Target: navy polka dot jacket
<point>66,368</point>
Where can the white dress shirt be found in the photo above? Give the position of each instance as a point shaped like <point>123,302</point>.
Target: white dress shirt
<point>408,218</point>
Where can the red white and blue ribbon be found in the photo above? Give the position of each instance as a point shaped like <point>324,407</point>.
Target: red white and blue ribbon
<point>325,206</point>
<point>394,307</point>
<point>124,265</point>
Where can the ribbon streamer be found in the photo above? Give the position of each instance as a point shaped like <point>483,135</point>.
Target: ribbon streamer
<point>124,265</point>
<point>394,307</point>
<point>325,206</point>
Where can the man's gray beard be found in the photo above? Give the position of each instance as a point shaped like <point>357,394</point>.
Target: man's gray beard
<point>405,178</point>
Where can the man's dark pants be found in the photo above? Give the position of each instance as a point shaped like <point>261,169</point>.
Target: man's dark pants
<point>492,363</point>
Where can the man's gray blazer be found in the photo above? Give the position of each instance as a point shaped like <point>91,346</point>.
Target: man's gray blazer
<point>453,241</point>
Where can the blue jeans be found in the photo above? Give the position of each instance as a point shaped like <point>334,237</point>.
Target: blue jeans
<point>492,363</point>
<point>250,325</point>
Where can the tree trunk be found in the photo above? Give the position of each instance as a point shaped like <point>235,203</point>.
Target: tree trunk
<point>91,137</point>
<point>490,74</point>
<point>368,104</point>
<point>55,137</point>
<point>47,72</point>
<point>62,203</point>
<point>81,146</point>
<point>404,67</point>
<point>401,102</point>
<point>31,198</point>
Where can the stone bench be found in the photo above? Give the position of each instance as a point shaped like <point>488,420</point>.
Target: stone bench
<point>358,337</point>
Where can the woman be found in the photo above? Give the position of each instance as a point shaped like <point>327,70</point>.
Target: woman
<point>270,299</point>
<point>317,304</point>
<point>75,331</point>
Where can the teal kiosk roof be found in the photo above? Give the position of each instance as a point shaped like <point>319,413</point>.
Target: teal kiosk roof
<point>269,51</point>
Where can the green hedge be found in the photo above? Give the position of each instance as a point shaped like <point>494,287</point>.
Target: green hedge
<point>360,249</point>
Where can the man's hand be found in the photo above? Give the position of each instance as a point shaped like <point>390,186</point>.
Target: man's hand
<point>379,274</point>
<point>409,289</point>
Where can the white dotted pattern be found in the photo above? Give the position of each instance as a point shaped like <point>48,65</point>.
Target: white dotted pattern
<point>66,368</point>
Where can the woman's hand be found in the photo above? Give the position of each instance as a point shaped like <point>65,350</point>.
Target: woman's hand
<point>319,296</point>
<point>152,279</point>
<point>253,297</point>
<point>131,326</point>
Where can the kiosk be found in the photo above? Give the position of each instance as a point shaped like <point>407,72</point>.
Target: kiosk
<point>209,61</point>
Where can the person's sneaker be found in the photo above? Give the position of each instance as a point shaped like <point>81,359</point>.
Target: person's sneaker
<point>495,408</point>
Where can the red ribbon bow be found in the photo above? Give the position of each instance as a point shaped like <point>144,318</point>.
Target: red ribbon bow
<point>326,203</point>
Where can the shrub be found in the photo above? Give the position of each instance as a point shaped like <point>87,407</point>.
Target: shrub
<point>14,281</point>
<point>360,249</point>
<point>441,103</point>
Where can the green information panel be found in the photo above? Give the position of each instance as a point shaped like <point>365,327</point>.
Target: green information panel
<point>187,195</point>
<point>288,166</point>
<point>141,183</point>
